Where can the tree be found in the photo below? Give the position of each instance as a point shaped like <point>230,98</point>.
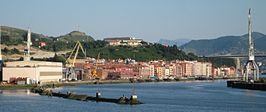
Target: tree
<point>15,51</point>
<point>5,51</point>
<point>59,58</point>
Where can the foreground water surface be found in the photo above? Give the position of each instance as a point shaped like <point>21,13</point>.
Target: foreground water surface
<point>206,96</point>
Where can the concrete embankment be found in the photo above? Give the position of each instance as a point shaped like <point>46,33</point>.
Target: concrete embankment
<point>76,83</point>
<point>74,96</point>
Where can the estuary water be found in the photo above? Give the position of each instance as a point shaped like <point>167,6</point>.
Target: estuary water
<point>197,96</point>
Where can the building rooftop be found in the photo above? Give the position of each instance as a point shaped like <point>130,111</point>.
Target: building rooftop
<point>32,64</point>
<point>118,38</point>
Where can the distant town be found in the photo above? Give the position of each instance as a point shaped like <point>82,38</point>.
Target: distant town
<point>159,69</point>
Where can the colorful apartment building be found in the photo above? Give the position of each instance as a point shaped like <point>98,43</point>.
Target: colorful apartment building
<point>153,69</point>
<point>159,71</point>
<point>187,69</point>
<point>144,71</point>
<point>202,69</point>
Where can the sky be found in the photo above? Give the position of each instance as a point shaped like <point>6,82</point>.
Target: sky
<point>149,20</point>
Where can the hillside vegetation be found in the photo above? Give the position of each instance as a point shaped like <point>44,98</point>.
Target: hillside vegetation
<point>14,36</point>
<point>146,52</point>
<point>226,45</point>
<point>140,53</point>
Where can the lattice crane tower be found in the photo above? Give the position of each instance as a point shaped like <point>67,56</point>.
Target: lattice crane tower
<point>251,68</point>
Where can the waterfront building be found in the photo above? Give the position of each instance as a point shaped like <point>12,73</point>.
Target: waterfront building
<point>202,69</point>
<point>215,72</point>
<point>125,71</point>
<point>151,67</point>
<point>179,70</point>
<point>208,69</point>
<point>102,73</point>
<point>166,73</point>
<point>144,71</point>
<point>159,71</point>
<point>197,69</point>
<point>170,70</point>
<point>187,68</point>
<point>227,71</point>
<point>34,71</point>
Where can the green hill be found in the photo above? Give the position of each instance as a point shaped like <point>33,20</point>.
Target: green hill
<point>75,36</point>
<point>141,53</point>
<point>14,36</point>
<point>226,45</point>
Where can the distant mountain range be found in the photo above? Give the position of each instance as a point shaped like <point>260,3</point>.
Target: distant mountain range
<point>226,45</point>
<point>177,42</point>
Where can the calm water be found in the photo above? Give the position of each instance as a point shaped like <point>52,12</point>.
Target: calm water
<point>158,97</point>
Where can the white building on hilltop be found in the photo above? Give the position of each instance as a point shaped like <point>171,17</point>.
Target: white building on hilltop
<point>126,41</point>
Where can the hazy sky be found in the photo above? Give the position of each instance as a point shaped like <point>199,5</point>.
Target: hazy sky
<point>146,19</point>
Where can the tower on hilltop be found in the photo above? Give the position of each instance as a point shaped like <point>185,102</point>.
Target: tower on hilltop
<point>27,50</point>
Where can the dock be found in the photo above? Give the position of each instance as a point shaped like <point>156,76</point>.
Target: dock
<point>80,97</point>
<point>246,85</point>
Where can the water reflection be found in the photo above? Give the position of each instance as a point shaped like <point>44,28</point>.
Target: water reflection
<point>16,92</point>
<point>204,96</point>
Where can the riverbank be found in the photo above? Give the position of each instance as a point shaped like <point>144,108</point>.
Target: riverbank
<point>77,83</point>
<point>189,96</point>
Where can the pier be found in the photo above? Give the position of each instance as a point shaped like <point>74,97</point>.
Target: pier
<point>80,97</point>
<point>247,85</point>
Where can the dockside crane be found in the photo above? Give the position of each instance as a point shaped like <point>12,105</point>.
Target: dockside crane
<point>70,62</point>
<point>94,70</point>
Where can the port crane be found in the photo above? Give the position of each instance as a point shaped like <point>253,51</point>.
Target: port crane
<point>70,62</point>
<point>94,70</point>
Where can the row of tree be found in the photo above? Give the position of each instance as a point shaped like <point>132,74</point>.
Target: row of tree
<point>7,51</point>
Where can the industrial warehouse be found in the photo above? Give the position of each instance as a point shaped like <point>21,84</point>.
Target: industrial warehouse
<point>31,72</point>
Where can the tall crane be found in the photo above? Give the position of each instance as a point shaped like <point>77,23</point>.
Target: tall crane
<point>70,62</point>
<point>94,70</point>
<point>251,68</point>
